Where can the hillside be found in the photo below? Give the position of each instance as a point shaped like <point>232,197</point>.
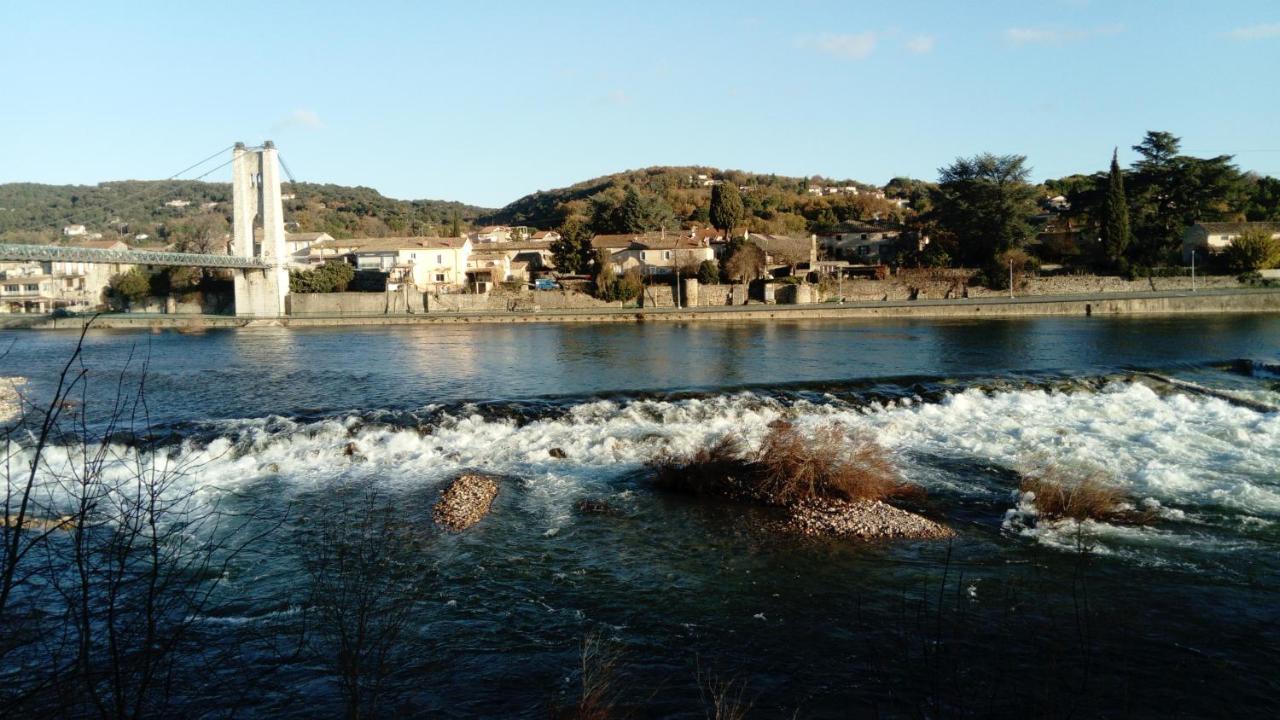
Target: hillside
<point>31,212</point>
<point>673,196</point>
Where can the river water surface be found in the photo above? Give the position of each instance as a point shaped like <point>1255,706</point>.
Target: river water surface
<point>1013,618</point>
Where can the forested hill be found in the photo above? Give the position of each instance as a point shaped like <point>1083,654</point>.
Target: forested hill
<point>676,195</point>
<point>36,213</point>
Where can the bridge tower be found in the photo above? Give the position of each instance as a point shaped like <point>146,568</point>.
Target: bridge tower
<point>255,194</point>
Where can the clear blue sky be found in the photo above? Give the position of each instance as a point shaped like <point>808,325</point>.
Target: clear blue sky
<point>486,101</point>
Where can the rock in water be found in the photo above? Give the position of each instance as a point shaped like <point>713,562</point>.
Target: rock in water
<point>465,501</point>
<point>865,519</point>
<point>557,453</point>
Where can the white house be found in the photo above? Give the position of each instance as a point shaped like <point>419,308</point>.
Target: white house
<point>492,234</point>
<point>73,230</point>
<point>1211,238</point>
<point>432,264</point>
<point>41,287</point>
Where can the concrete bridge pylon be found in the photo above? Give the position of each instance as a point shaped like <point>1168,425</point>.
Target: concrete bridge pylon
<point>255,188</point>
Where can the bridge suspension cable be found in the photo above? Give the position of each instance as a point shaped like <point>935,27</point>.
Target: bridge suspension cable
<point>193,167</point>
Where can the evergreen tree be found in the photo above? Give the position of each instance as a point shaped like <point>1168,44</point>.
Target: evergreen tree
<point>726,207</point>
<point>455,226</point>
<point>572,253</point>
<point>631,214</point>
<point>1115,219</point>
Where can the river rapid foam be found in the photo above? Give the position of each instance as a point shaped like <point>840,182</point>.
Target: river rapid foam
<point>1205,464</point>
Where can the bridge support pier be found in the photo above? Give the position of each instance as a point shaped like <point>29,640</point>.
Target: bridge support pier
<point>255,187</point>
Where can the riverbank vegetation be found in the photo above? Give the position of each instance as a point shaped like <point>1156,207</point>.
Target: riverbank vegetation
<point>1061,494</point>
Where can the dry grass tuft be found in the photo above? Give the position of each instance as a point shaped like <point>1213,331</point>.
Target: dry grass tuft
<point>599,698</point>
<point>1060,494</point>
<point>790,468</point>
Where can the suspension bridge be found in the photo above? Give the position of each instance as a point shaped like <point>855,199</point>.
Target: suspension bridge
<point>259,265</point>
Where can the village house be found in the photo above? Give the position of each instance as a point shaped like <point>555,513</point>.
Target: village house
<point>298,247</point>
<point>784,250</point>
<point>48,285</point>
<point>1210,238</point>
<point>501,234</point>
<point>860,243</point>
<point>177,203</point>
<point>544,236</point>
<point>653,253</point>
<point>431,264</point>
<point>73,230</point>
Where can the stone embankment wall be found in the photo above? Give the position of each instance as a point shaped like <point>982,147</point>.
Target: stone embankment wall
<point>516,301</point>
<point>939,285</point>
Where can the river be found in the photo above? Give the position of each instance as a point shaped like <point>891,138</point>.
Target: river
<point>1012,618</point>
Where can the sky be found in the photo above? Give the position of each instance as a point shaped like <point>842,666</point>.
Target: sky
<point>485,101</point>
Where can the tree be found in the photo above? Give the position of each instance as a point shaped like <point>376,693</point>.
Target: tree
<point>455,225</point>
<point>201,234</point>
<point>1114,230</point>
<point>985,202</point>
<point>708,273</point>
<point>1264,200</point>
<point>131,286</point>
<point>1172,191</point>
<point>1252,250</point>
<point>726,207</point>
<point>743,261</point>
<point>631,214</point>
<point>572,252</point>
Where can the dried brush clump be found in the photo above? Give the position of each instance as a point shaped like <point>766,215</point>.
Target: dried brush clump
<point>790,468</point>
<point>1060,494</point>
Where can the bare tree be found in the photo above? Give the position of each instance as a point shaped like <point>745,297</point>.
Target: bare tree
<point>366,566</point>
<point>113,555</point>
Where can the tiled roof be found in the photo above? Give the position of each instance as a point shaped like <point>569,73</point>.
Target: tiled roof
<point>1235,228</point>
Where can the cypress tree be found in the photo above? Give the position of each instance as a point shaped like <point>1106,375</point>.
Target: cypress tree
<point>726,207</point>
<point>1114,233</point>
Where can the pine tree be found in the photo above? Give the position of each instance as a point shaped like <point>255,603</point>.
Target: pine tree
<point>631,214</point>
<point>455,226</point>
<point>1114,232</point>
<point>726,207</point>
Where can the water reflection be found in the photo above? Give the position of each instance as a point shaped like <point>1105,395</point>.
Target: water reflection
<point>283,371</point>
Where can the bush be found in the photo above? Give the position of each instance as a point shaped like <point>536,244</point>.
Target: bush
<point>789,469</point>
<point>333,276</point>
<point>130,287</point>
<point>1252,250</point>
<point>1058,494</point>
<point>709,273</point>
<point>368,281</point>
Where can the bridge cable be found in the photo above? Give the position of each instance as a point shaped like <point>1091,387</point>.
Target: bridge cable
<point>193,167</point>
<point>214,170</point>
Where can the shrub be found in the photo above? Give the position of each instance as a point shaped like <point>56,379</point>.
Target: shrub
<point>791,467</point>
<point>1252,250</point>
<point>709,273</point>
<point>130,287</point>
<point>333,276</point>
<point>1059,494</point>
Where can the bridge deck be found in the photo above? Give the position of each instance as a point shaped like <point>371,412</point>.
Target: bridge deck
<point>59,253</point>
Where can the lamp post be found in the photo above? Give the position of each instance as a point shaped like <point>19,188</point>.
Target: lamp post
<point>1010,278</point>
<point>1193,270</point>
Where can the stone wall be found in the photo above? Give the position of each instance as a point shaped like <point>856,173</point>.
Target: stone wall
<point>345,303</point>
<point>946,284</point>
<point>716,295</point>
<point>524,300</point>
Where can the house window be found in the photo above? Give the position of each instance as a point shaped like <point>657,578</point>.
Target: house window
<point>666,255</point>
<point>11,288</point>
<point>33,288</point>
<point>439,259</point>
<point>439,277</point>
<point>641,256</point>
